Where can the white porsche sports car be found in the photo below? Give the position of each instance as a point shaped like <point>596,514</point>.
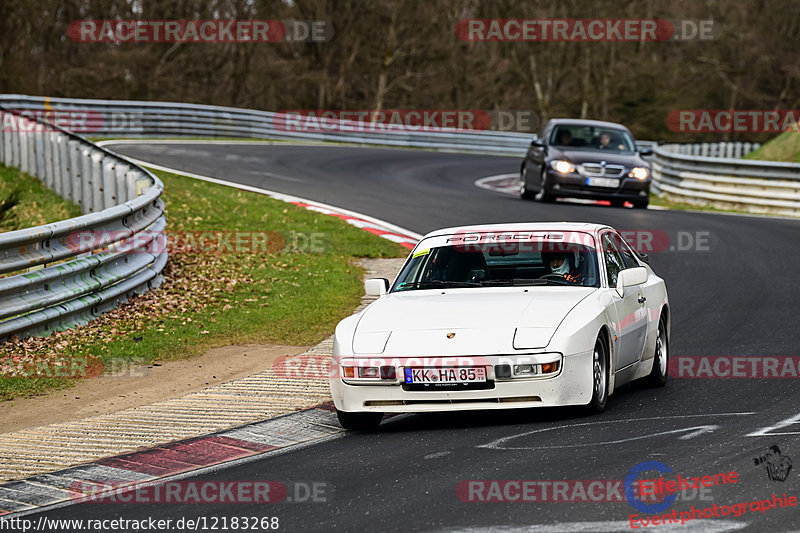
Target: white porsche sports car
<point>503,316</point>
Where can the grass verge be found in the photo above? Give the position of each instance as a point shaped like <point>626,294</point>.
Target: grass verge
<point>25,202</point>
<point>785,148</point>
<point>663,201</point>
<point>293,294</point>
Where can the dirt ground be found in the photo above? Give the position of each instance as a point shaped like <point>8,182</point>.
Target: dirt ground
<point>141,386</point>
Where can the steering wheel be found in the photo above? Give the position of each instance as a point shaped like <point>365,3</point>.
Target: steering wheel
<point>559,277</point>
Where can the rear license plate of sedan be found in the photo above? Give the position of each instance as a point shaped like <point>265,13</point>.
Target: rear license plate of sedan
<point>445,375</point>
<point>602,182</point>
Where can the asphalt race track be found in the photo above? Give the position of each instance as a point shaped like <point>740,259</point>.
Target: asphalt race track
<point>735,293</point>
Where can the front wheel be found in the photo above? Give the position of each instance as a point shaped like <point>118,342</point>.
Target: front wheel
<point>543,195</point>
<point>599,377</point>
<point>524,192</point>
<point>359,421</point>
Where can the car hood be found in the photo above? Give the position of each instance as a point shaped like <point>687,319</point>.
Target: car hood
<point>595,156</point>
<point>484,320</point>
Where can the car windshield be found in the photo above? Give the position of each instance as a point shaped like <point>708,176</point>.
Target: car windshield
<point>592,138</point>
<point>511,264</point>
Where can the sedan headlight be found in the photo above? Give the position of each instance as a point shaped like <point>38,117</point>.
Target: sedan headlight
<point>564,167</point>
<point>640,173</point>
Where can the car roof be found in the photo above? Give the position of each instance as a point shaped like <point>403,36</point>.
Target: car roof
<point>586,122</point>
<point>587,227</point>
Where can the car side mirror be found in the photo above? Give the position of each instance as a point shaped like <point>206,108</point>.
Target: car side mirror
<point>536,141</point>
<point>645,150</point>
<point>376,286</point>
<point>644,257</point>
<point>630,277</point>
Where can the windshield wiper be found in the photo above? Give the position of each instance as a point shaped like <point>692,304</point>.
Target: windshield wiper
<point>436,284</point>
<point>516,282</point>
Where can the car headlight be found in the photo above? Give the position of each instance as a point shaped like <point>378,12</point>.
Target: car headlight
<point>564,167</point>
<point>640,173</point>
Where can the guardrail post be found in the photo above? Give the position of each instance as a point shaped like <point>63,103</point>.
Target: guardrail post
<point>109,181</point>
<point>97,183</point>
<point>47,152</point>
<point>24,160</point>
<point>62,162</point>
<point>122,186</point>
<point>74,189</point>
<point>87,181</point>
<point>41,169</point>
<point>3,137</point>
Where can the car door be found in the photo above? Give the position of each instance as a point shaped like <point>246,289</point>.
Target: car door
<point>629,311</point>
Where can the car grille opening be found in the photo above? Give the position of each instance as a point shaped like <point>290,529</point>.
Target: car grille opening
<point>596,170</point>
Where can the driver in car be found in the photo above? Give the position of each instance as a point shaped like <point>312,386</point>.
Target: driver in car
<point>607,143</point>
<point>558,263</point>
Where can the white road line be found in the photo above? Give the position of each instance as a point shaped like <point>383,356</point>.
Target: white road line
<point>768,431</point>
<point>498,444</point>
<point>436,455</point>
<point>486,183</point>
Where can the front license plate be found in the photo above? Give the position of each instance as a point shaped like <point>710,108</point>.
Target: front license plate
<point>602,182</point>
<point>446,375</point>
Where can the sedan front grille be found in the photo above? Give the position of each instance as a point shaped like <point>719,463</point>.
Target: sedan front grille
<point>596,170</point>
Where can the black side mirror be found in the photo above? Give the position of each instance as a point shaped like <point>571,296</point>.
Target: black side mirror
<point>536,141</point>
<point>645,150</point>
<point>644,257</point>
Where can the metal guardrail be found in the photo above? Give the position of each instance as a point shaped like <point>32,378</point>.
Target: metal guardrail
<point>716,149</point>
<point>727,183</point>
<point>166,119</point>
<point>76,269</point>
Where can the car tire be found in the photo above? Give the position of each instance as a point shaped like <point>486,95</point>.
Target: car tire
<point>524,192</point>
<point>642,204</point>
<point>599,377</point>
<point>617,203</point>
<point>543,195</point>
<point>359,421</point>
<point>660,372</point>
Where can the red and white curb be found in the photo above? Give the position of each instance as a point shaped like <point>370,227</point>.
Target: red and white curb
<point>170,460</point>
<point>387,230</point>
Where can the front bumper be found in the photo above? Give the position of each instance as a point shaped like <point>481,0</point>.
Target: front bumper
<point>575,185</point>
<point>571,386</point>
